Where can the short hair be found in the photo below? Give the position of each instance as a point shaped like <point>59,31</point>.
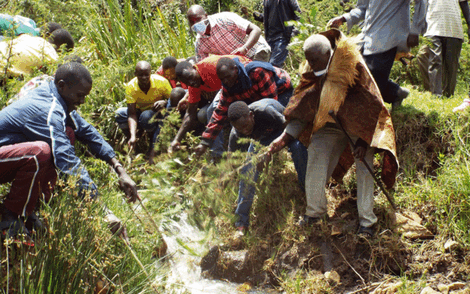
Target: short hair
<point>169,62</point>
<point>62,36</point>
<point>72,73</point>
<point>49,27</point>
<point>225,61</point>
<point>237,110</point>
<point>181,67</point>
<point>71,58</point>
<point>176,95</point>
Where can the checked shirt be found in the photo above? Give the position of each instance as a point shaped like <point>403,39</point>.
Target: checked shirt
<point>263,86</point>
<point>228,32</point>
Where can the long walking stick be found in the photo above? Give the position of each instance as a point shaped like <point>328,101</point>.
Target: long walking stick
<point>379,183</point>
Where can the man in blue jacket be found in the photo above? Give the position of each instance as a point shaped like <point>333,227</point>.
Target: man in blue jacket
<point>36,139</point>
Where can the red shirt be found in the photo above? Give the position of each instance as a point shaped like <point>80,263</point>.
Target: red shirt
<point>210,81</point>
<point>172,82</point>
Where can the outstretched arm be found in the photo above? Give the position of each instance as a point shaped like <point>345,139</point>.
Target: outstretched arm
<point>125,182</point>
<point>189,123</point>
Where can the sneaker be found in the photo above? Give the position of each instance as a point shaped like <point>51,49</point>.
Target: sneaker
<point>308,221</point>
<point>366,232</point>
<point>402,94</point>
<point>465,104</point>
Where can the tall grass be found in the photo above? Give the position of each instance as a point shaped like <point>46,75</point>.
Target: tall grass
<point>128,33</point>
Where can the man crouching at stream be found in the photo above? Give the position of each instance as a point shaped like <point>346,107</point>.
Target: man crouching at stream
<point>335,78</point>
<point>37,134</point>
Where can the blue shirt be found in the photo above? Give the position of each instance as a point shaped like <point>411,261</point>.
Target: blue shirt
<point>41,115</point>
<point>387,23</point>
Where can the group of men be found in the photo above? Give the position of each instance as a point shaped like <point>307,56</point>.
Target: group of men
<point>253,93</point>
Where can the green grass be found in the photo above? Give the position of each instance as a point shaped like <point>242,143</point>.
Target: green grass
<point>433,145</point>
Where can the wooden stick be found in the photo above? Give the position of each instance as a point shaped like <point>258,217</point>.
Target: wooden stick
<point>379,183</point>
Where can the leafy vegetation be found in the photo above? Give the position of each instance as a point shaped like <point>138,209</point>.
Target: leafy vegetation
<point>77,254</point>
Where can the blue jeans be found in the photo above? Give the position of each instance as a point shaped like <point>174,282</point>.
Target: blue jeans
<point>279,51</point>
<point>143,122</point>
<point>249,176</point>
<point>217,147</point>
<point>380,65</point>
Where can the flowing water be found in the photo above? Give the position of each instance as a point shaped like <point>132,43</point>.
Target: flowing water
<point>186,246</point>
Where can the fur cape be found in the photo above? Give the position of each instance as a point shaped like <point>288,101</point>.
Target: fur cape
<point>350,91</point>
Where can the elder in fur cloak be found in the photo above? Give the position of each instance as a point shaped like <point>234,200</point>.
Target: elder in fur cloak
<point>335,77</point>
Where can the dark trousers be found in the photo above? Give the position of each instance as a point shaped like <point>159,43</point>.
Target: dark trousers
<point>30,169</point>
<point>380,65</point>
<point>444,57</point>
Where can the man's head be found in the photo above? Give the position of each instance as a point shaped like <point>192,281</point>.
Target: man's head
<point>61,36</point>
<point>168,64</point>
<point>176,95</point>
<point>73,82</point>
<point>186,73</point>
<point>227,71</point>
<point>48,28</point>
<point>196,14</point>
<point>241,117</point>
<point>318,51</point>
<point>143,71</point>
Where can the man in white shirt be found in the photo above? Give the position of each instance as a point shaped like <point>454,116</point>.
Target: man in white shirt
<point>387,30</point>
<point>446,34</point>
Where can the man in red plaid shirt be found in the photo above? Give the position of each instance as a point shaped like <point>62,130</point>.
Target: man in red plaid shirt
<point>200,77</point>
<point>226,33</point>
<point>244,82</point>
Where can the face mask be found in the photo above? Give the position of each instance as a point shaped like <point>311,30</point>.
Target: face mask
<point>200,27</point>
<point>323,71</point>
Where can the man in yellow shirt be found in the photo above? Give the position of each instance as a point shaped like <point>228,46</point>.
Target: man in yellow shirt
<point>146,96</point>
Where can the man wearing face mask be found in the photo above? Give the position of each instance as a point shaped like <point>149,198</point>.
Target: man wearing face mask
<point>226,33</point>
<point>335,78</point>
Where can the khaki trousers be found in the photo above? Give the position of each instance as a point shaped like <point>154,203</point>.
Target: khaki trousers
<point>323,154</point>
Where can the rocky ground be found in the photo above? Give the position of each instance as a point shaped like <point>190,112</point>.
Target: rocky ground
<point>335,260</point>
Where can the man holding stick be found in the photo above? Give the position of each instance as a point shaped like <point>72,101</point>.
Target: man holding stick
<point>335,78</point>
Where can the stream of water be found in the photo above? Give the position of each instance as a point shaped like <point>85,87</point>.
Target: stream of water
<point>185,273</point>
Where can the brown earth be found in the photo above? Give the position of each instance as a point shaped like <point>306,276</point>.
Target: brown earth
<point>332,253</point>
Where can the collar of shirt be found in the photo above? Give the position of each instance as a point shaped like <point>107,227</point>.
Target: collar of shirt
<point>57,95</point>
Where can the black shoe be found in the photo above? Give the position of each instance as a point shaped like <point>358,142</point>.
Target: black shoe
<point>34,223</point>
<point>402,95</point>
<point>12,226</point>
<point>366,232</point>
<point>308,221</point>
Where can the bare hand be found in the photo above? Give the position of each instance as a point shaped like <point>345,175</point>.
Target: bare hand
<point>174,146</point>
<point>278,143</point>
<point>183,104</point>
<point>336,22</point>
<point>412,41</point>
<point>128,186</point>
<point>200,149</point>
<point>240,51</point>
<point>159,105</point>
<point>360,149</point>
<point>132,141</point>
<point>263,161</point>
